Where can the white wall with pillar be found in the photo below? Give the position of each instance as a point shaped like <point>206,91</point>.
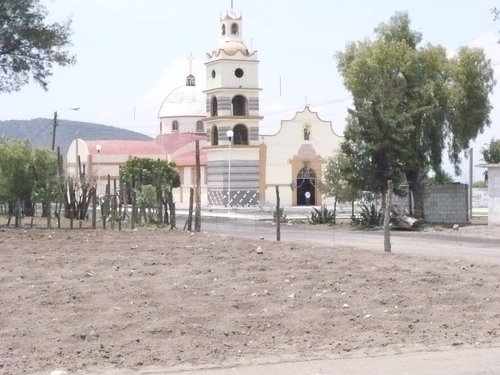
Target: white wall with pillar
<point>493,194</point>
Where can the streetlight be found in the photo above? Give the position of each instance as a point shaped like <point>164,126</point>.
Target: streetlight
<point>229,135</point>
<point>55,125</point>
<point>98,147</point>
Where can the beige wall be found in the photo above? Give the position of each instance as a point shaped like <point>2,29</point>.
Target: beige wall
<point>287,152</point>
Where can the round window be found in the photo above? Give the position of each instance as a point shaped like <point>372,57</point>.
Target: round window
<point>213,73</point>
<point>238,72</point>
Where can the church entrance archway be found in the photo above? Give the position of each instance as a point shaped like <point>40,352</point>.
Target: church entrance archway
<point>306,187</point>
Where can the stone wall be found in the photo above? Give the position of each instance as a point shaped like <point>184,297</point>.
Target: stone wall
<point>442,203</point>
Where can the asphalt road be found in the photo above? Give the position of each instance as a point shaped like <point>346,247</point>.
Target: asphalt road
<point>475,248</point>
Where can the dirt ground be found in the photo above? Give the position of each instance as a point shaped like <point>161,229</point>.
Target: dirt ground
<point>84,300</point>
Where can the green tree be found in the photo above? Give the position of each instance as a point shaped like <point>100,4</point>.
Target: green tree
<point>409,103</point>
<point>491,154</point>
<point>441,179</point>
<point>152,172</point>
<point>27,175</point>
<point>160,174</point>
<point>28,46</point>
<point>337,181</point>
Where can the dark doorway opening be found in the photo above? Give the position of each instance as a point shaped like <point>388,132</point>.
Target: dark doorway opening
<point>306,187</point>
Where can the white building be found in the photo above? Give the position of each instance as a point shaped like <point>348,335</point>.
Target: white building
<point>240,166</point>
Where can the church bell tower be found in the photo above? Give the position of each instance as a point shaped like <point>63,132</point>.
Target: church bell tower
<point>232,122</point>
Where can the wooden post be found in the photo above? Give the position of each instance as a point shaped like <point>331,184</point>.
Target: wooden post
<point>134,204</point>
<point>387,217</point>
<point>189,221</point>
<point>94,207</point>
<point>197,196</point>
<point>171,207</point>
<point>278,214</point>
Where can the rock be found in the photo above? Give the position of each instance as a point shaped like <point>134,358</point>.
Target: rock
<point>456,227</point>
<point>346,306</point>
<point>259,250</point>
<point>59,372</point>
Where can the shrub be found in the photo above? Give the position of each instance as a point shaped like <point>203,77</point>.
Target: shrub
<point>322,216</point>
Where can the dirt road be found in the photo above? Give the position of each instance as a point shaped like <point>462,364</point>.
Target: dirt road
<point>88,301</point>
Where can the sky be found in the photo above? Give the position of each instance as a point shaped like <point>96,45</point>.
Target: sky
<point>132,53</point>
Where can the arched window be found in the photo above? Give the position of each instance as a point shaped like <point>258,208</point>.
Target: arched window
<point>199,126</point>
<point>214,136</point>
<point>213,106</point>
<point>240,136</point>
<point>175,126</point>
<point>239,103</point>
<point>223,29</point>
<point>234,29</point>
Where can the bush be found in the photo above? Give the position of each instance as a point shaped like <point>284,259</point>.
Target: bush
<point>368,216</point>
<point>322,216</point>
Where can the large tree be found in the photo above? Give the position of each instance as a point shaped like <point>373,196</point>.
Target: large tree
<point>411,102</point>
<point>28,46</point>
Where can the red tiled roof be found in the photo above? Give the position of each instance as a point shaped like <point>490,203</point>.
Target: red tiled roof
<point>117,147</point>
<point>189,158</point>
<point>173,141</point>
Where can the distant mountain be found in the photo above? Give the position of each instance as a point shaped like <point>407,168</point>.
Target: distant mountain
<point>39,132</point>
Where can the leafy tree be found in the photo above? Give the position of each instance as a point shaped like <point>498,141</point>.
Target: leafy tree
<point>27,174</point>
<point>339,182</point>
<point>152,172</point>
<point>491,154</point>
<point>409,103</point>
<point>441,179</point>
<point>160,174</point>
<point>28,46</point>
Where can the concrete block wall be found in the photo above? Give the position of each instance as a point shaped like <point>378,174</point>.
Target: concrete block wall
<point>446,203</point>
<point>442,204</point>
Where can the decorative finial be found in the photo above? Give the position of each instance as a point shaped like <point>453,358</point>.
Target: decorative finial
<point>190,80</point>
<point>231,4</point>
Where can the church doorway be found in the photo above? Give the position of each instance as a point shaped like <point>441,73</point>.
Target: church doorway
<point>306,187</point>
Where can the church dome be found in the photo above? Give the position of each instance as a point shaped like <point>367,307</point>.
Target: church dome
<point>230,47</point>
<point>185,100</point>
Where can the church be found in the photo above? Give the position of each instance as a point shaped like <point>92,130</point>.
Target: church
<point>240,166</point>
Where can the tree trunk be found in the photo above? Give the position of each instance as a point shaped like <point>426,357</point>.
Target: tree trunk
<point>417,189</point>
<point>387,217</point>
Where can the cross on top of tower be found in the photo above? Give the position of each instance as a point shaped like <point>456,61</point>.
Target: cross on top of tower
<point>190,80</point>
<point>190,58</point>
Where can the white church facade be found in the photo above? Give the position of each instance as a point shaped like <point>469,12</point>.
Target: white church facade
<point>240,165</point>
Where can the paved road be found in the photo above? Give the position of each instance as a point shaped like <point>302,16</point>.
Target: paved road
<point>474,244</point>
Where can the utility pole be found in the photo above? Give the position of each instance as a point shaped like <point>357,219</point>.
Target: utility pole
<point>54,131</point>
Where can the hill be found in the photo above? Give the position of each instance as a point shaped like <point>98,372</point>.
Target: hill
<point>39,132</point>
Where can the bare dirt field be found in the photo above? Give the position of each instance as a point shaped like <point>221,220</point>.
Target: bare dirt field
<point>86,301</point>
